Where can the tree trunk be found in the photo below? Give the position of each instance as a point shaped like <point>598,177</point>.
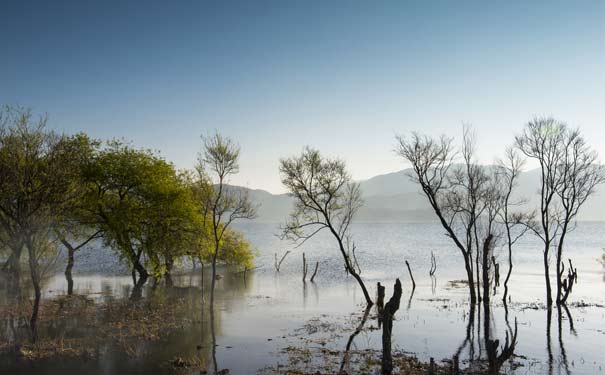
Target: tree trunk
<point>559,266</point>
<point>387,328</point>
<point>35,277</point>
<point>471,279</point>
<point>485,269</point>
<point>213,281</point>
<point>137,291</point>
<point>510,271</point>
<point>169,264</point>
<point>68,270</point>
<point>547,280</point>
<point>351,269</point>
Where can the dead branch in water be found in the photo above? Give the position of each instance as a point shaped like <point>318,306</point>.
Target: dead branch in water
<point>278,264</point>
<point>315,271</point>
<point>433,265</point>
<point>411,276</point>
<point>304,268</point>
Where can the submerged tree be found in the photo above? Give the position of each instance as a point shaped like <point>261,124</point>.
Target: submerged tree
<point>569,174</point>
<point>225,204</point>
<point>325,198</point>
<point>137,201</point>
<point>75,227</point>
<point>515,223</point>
<point>431,161</point>
<point>35,188</point>
<point>468,199</point>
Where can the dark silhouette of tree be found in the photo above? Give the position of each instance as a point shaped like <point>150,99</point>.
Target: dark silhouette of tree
<point>515,223</point>
<point>325,198</point>
<point>469,200</point>
<point>452,192</point>
<point>569,173</point>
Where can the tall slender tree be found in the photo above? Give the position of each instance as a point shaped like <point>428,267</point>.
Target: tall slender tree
<point>226,204</point>
<point>325,198</point>
<point>469,200</point>
<point>569,174</point>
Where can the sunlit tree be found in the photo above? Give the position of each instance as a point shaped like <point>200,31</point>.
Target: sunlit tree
<point>325,197</point>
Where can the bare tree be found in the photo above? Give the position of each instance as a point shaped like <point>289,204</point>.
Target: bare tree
<point>325,198</point>
<point>467,198</point>
<point>220,156</point>
<point>432,168</point>
<point>515,223</point>
<point>569,173</point>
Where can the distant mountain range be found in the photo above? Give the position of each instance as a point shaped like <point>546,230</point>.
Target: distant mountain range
<point>393,197</point>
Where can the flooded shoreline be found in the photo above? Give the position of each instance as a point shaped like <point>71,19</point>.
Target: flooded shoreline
<point>271,322</point>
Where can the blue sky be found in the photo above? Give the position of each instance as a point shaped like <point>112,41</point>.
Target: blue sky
<point>344,77</point>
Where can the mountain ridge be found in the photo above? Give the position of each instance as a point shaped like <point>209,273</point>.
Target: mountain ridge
<point>393,197</point>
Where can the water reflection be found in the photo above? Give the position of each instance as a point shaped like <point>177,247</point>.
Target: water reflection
<point>345,365</point>
<point>497,353</point>
<point>253,309</point>
<point>562,363</point>
<point>192,344</point>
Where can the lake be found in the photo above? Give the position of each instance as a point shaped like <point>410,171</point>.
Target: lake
<point>262,313</point>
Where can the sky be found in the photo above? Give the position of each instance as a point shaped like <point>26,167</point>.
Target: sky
<point>342,76</point>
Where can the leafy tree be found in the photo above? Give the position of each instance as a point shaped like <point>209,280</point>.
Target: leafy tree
<point>235,250</point>
<point>75,226</point>
<point>35,188</point>
<point>136,199</point>
<point>224,204</point>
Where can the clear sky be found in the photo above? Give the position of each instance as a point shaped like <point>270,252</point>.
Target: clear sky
<point>340,76</point>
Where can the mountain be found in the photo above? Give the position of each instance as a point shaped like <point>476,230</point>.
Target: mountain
<point>393,197</point>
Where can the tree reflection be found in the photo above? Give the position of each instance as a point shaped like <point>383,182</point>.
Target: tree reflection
<point>497,353</point>
<point>563,363</point>
<point>345,364</point>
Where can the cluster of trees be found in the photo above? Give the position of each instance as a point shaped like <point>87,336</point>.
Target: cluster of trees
<point>476,204</point>
<point>65,192</point>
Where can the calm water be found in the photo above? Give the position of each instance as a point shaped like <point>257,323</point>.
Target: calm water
<point>258,315</point>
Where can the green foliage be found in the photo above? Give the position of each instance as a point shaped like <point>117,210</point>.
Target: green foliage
<point>234,251</point>
<point>74,189</point>
<point>37,174</point>
<point>138,201</point>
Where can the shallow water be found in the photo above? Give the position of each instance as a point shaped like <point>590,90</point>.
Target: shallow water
<point>259,315</point>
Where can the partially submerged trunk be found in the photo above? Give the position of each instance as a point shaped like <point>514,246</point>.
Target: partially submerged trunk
<point>168,276</point>
<point>70,265</point>
<point>35,277</point>
<point>485,259</point>
<point>387,327</point>
<point>547,279</point>
<point>137,291</point>
<point>351,269</point>
<point>213,280</point>
<point>471,279</point>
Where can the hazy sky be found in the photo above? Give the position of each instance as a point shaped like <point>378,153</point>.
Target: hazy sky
<point>340,76</point>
